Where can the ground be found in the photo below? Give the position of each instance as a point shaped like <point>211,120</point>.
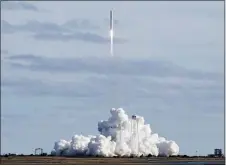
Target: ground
<point>102,160</point>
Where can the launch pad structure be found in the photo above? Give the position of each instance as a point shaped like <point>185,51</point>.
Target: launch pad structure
<point>38,151</point>
<point>134,130</point>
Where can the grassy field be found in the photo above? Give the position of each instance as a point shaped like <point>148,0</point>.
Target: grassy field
<point>96,160</point>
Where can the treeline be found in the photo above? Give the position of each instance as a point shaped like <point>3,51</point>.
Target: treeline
<point>150,156</point>
<point>13,154</point>
<point>164,156</point>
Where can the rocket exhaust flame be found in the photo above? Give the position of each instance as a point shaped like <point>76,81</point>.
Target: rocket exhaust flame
<point>111,40</point>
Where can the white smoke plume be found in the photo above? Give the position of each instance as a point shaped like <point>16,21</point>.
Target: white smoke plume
<point>119,136</point>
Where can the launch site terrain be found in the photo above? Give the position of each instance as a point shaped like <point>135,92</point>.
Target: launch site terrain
<point>105,160</point>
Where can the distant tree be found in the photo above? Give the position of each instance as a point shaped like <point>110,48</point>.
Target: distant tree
<point>173,156</point>
<point>44,154</point>
<point>211,155</point>
<point>162,155</point>
<point>149,155</point>
<point>89,155</point>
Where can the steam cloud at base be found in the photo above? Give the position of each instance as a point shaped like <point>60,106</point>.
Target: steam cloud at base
<point>120,135</point>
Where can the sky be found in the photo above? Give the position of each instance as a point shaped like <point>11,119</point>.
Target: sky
<point>59,79</point>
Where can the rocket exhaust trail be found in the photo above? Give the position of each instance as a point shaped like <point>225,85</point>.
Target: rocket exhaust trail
<point>111,32</point>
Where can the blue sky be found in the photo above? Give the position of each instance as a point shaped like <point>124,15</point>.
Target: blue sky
<point>58,78</point>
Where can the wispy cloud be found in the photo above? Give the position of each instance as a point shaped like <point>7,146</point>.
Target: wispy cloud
<point>7,27</point>
<point>32,26</point>
<point>83,24</point>
<point>80,36</point>
<point>40,88</point>
<point>203,95</point>
<point>40,27</point>
<point>10,5</point>
<point>71,30</point>
<point>13,117</point>
<point>147,79</point>
<point>4,51</point>
<point>109,66</point>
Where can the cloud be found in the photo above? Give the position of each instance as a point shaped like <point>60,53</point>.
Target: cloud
<point>28,57</point>
<point>83,24</point>
<point>202,95</point>
<point>36,27</point>
<point>4,51</point>
<point>81,36</point>
<point>28,86</point>
<point>9,5</point>
<point>131,81</point>
<point>7,27</point>
<point>65,32</point>
<point>13,117</point>
<point>108,66</point>
<point>33,27</point>
<point>48,27</point>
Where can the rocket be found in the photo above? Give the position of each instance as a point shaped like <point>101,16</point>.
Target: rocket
<point>111,32</point>
<point>111,20</point>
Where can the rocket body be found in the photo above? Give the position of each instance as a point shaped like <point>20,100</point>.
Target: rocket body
<point>111,32</point>
<point>111,20</point>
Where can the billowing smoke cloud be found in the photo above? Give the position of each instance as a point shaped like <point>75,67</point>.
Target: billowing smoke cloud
<point>120,135</point>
